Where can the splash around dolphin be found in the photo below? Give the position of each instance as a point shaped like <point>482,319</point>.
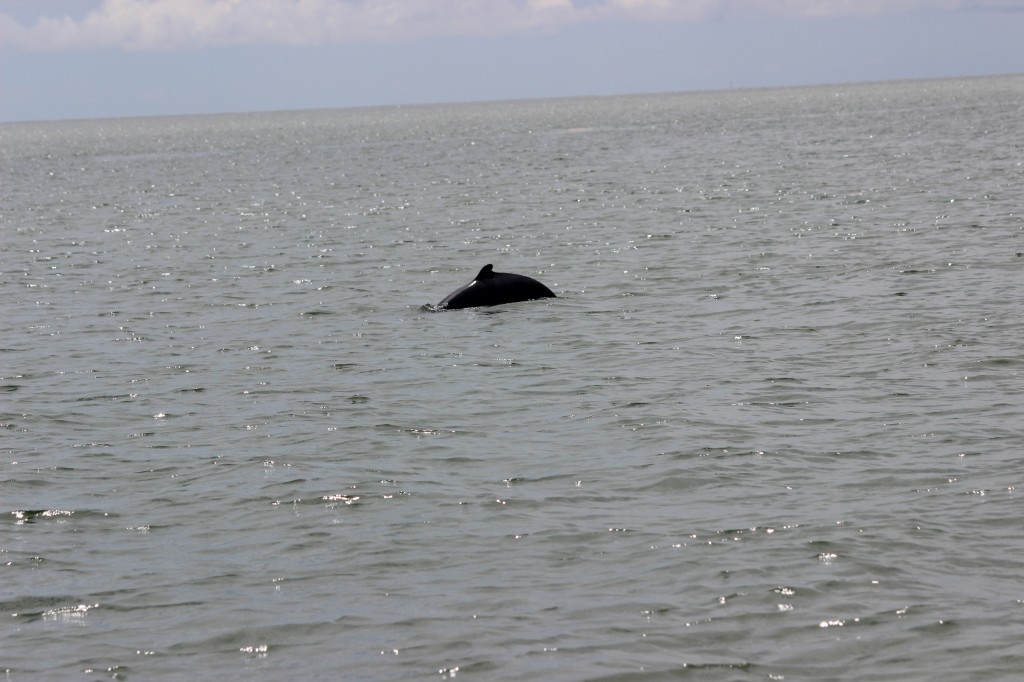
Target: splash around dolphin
<point>494,288</point>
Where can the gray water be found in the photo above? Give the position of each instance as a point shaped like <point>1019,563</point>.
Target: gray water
<point>771,429</point>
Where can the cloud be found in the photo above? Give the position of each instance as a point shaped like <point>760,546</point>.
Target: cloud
<point>177,24</point>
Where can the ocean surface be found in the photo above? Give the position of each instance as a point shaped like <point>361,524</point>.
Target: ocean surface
<point>772,428</point>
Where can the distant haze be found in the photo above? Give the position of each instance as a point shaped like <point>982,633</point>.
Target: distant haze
<point>74,59</point>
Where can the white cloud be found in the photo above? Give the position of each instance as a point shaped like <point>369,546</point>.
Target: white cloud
<point>174,24</point>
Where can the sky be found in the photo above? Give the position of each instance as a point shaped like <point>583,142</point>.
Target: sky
<point>73,59</point>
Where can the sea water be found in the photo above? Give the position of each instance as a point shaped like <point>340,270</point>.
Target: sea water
<point>772,428</point>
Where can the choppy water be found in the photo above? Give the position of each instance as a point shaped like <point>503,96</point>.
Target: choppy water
<point>772,428</point>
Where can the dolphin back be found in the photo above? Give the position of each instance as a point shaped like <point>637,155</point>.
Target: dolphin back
<point>495,288</point>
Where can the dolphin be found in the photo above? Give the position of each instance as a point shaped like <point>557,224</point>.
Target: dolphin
<point>495,288</point>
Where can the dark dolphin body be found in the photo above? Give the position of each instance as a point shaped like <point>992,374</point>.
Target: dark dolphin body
<point>495,288</point>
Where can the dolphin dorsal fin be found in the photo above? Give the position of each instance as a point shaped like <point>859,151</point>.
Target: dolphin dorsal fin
<point>486,272</point>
